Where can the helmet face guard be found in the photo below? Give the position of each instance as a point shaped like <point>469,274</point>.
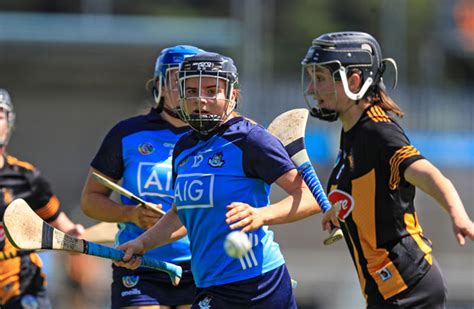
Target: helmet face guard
<point>210,78</point>
<point>314,89</point>
<point>6,106</point>
<point>342,53</point>
<point>166,68</point>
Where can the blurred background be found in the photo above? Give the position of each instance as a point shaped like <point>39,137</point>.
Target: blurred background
<point>75,68</point>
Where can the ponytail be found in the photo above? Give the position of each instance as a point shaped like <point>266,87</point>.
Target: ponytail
<point>382,99</point>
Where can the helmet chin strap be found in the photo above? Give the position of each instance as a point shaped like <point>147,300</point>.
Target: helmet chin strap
<point>353,96</point>
<point>170,112</point>
<point>157,93</point>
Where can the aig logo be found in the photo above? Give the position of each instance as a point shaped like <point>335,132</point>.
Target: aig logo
<point>194,191</point>
<point>154,179</point>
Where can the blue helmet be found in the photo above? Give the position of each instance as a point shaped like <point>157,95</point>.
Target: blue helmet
<point>169,58</point>
<point>6,106</point>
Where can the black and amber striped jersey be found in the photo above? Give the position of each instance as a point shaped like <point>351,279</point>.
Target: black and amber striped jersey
<point>377,213</point>
<point>20,179</point>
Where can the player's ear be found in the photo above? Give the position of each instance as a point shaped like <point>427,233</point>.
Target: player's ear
<point>354,81</point>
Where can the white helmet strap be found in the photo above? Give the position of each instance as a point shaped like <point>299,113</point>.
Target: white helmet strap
<point>157,94</point>
<point>353,96</point>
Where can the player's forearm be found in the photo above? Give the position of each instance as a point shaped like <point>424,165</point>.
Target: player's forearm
<point>297,206</point>
<point>100,207</point>
<point>443,191</point>
<point>166,230</point>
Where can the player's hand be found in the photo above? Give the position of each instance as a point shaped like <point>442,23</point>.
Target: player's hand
<point>133,250</point>
<point>243,216</point>
<point>144,217</point>
<point>463,227</point>
<point>330,219</point>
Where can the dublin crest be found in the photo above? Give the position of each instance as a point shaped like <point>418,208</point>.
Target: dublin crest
<point>216,159</point>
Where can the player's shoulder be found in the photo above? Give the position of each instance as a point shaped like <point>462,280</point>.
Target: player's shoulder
<point>186,141</point>
<point>378,123</point>
<point>249,134</point>
<point>244,125</point>
<point>143,122</point>
<point>20,165</point>
<point>130,124</point>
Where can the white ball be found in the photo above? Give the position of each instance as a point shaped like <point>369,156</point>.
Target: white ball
<point>236,244</point>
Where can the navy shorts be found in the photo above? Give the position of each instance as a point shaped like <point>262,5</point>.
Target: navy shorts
<point>428,293</point>
<point>145,286</point>
<point>270,290</point>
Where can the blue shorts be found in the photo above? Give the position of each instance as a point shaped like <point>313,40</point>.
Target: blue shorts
<point>145,286</point>
<point>270,290</point>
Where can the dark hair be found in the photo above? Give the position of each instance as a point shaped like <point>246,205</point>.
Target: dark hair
<point>377,95</point>
<point>382,99</point>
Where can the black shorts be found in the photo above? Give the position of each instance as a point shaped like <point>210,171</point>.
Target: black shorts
<point>428,293</point>
<point>143,286</point>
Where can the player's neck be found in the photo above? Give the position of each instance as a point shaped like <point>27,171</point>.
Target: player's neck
<point>352,115</point>
<point>175,122</point>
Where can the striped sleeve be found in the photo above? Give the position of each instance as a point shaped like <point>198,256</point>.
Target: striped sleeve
<point>397,152</point>
<point>399,159</point>
<point>42,200</point>
<point>50,211</point>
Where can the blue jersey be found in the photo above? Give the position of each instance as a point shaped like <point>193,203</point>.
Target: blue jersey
<point>139,150</point>
<point>238,163</point>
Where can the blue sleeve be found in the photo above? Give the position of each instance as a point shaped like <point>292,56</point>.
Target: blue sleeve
<point>265,157</point>
<point>108,159</point>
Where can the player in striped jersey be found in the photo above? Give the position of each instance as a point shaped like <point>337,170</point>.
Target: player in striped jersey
<point>222,176</point>
<point>22,282</point>
<point>373,181</point>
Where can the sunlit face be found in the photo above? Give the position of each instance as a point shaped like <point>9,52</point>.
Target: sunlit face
<point>206,95</point>
<point>170,89</point>
<point>320,85</point>
<point>3,126</point>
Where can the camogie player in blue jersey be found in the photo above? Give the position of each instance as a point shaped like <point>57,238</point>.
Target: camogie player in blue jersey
<point>222,172</point>
<point>138,150</point>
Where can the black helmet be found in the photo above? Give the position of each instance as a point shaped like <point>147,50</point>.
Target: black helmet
<point>207,65</point>
<point>343,51</point>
